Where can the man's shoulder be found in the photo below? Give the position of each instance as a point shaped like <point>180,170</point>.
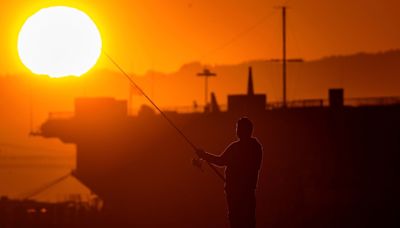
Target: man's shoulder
<point>233,144</point>
<point>251,143</point>
<point>256,141</point>
<point>257,144</point>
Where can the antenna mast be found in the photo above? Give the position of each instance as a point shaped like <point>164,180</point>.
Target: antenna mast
<point>206,74</point>
<point>284,54</point>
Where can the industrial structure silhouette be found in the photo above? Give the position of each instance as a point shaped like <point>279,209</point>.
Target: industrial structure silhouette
<point>326,163</point>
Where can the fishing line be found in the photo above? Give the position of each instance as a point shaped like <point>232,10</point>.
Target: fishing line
<point>188,141</point>
<point>45,186</point>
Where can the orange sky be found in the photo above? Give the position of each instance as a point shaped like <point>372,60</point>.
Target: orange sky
<point>163,35</point>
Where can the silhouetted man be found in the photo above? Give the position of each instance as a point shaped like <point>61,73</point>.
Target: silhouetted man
<point>242,159</point>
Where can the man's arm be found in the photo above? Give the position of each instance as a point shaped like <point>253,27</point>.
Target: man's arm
<point>214,159</point>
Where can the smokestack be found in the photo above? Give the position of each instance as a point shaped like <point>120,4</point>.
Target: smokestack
<point>214,104</point>
<point>250,89</point>
<point>336,98</point>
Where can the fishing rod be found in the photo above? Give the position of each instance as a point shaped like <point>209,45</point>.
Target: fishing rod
<point>187,140</point>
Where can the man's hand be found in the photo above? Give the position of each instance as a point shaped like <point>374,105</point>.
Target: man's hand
<point>201,153</point>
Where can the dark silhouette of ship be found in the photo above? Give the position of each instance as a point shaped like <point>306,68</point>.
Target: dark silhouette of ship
<point>328,163</point>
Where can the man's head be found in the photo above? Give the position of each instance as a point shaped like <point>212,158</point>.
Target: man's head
<point>244,128</point>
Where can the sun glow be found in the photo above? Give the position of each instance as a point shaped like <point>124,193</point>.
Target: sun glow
<point>59,41</point>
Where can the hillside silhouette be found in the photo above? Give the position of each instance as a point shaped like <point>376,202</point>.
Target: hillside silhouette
<point>361,75</point>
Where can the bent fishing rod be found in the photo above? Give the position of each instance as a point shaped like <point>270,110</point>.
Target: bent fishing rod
<point>173,125</point>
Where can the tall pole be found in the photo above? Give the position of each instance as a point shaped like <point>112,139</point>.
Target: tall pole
<point>284,54</point>
<point>206,91</point>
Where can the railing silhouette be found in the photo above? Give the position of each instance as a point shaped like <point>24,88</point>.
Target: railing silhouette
<point>305,103</point>
<point>372,101</point>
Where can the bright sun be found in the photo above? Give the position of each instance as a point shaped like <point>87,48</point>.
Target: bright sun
<point>59,41</point>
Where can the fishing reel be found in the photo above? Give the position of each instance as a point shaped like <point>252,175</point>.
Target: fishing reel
<point>198,163</point>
